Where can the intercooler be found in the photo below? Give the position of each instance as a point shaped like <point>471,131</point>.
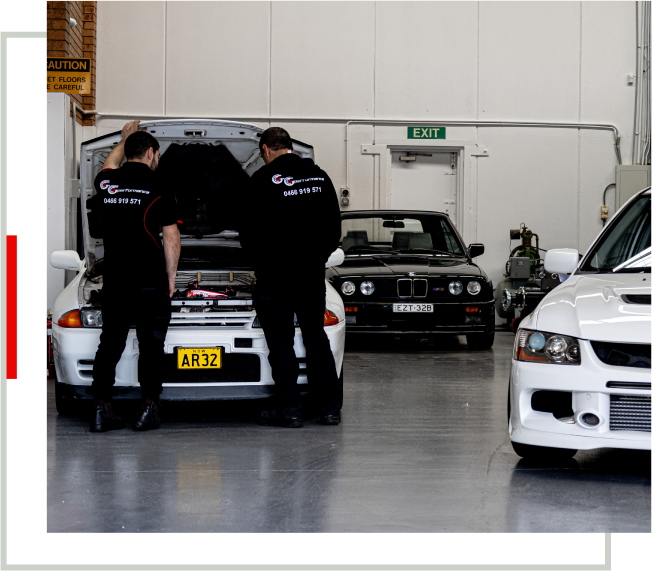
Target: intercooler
<point>629,413</point>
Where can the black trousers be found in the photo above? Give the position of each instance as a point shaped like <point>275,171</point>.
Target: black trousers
<point>149,309</point>
<point>276,310</point>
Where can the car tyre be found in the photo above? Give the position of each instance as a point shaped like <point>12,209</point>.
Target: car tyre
<point>532,452</point>
<point>65,403</point>
<point>480,341</point>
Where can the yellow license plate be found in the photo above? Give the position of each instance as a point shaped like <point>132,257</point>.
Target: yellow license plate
<point>199,357</point>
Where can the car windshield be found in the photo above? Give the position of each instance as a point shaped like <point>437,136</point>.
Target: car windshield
<point>398,233</point>
<point>620,247</point>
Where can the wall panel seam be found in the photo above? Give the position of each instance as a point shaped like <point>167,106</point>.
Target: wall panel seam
<point>269,105</point>
<point>579,133</point>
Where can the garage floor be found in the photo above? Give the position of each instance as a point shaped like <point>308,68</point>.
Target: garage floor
<point>423,448</point>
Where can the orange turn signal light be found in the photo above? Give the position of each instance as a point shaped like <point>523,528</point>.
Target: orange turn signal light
<point>330,318</point>
<point>70,319</point>
<point>521,355</point>
<point>472,309</point>
<point>351,309</point>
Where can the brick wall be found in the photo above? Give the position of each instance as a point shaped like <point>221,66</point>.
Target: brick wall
<point>80,41</point>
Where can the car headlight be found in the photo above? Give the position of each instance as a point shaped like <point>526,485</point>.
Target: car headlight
<point>473,287</point>
<point>540,347</point>
<point>367,288</point>
<point>91,317</point>
<point>348,288</point>
<point>455,288</point>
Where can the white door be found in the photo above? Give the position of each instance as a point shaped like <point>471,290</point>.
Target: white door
<point>424,180</point>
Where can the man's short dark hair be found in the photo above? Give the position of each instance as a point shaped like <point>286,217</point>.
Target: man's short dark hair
<point>276,138</point>
<point>137,144</point>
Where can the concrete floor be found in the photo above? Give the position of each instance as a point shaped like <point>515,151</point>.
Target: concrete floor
<point>423,447</point>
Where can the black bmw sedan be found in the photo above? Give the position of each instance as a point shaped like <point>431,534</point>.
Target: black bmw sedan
<point>409,272</point>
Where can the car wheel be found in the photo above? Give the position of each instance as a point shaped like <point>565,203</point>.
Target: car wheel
<point>480,341</point>
<point>532,452</point>
<point>64,402</point>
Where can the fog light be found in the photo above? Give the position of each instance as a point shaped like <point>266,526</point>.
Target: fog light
<point>589,419</point>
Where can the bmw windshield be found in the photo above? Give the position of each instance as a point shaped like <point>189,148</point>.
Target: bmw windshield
<point>397,233</point>
<point>622,246</point>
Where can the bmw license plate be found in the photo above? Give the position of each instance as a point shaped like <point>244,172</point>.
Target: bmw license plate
<point>413,308</point>
<point>199,357</point>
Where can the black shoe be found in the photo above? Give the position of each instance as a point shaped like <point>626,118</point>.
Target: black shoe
<point>149,416</point>
<point>329,419</point>
<point>104,419</point>
<point>273,418</point>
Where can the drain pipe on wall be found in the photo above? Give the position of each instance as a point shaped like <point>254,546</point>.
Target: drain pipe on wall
<point>374,122</point>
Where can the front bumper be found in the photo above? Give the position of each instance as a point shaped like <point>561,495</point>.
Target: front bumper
<point>450,318</point>
<point>74,353</point>
<point>588,384</point>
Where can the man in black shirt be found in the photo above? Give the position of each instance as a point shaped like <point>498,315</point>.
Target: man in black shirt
<point>138,272</point>
<point>295,223</point>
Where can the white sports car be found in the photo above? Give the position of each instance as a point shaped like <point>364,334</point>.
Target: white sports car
<point>211,262</point>
<point>580,376</point>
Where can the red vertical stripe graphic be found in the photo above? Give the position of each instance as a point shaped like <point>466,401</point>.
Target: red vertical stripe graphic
<point>19,307</point>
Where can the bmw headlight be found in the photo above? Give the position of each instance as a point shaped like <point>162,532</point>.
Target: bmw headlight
<point>348,288</point>
<point>367,288</point>
<point>455,288</point>
<point>473,287</point>
<point>91,317</point>
<point>540,347</point>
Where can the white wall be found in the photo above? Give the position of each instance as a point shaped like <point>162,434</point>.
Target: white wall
<point>57,107</point>
<point>503,61</point>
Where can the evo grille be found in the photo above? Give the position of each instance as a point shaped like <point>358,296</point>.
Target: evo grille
<point>623,354</point>
<point>629,413</point>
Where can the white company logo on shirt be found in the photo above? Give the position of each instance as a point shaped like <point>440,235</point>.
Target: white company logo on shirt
<point>278,179</point>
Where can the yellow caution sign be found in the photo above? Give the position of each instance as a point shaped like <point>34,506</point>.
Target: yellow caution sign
<point>69,75</point>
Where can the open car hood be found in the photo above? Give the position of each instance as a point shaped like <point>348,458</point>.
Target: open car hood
<point>240,139</point>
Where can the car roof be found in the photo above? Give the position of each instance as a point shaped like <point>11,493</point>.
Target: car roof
<point>361,213</point>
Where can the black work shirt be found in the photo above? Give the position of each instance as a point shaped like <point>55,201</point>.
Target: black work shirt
<point>133,207</point>
<point>294,221</point>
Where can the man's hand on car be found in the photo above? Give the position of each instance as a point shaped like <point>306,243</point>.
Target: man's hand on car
<point>117,154</point>
<point>130,128</point>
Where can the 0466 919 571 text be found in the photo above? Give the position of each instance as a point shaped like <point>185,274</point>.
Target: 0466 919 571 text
<point>122,200</point>
<point>297,191</point>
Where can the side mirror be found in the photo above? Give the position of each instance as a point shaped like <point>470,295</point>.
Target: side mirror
<point>336,258</point>
<point>66,260</point>
<point>561,261</point>
<point>475,250</point>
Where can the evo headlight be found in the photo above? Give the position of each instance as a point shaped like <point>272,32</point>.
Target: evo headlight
<point>540,347</point>
<point>91,317</point>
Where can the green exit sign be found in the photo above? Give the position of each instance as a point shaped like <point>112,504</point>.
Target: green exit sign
<point>426,132</point>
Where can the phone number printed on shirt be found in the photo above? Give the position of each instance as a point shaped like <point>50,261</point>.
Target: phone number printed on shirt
<point>297,191</point>
<point>122,201</point>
